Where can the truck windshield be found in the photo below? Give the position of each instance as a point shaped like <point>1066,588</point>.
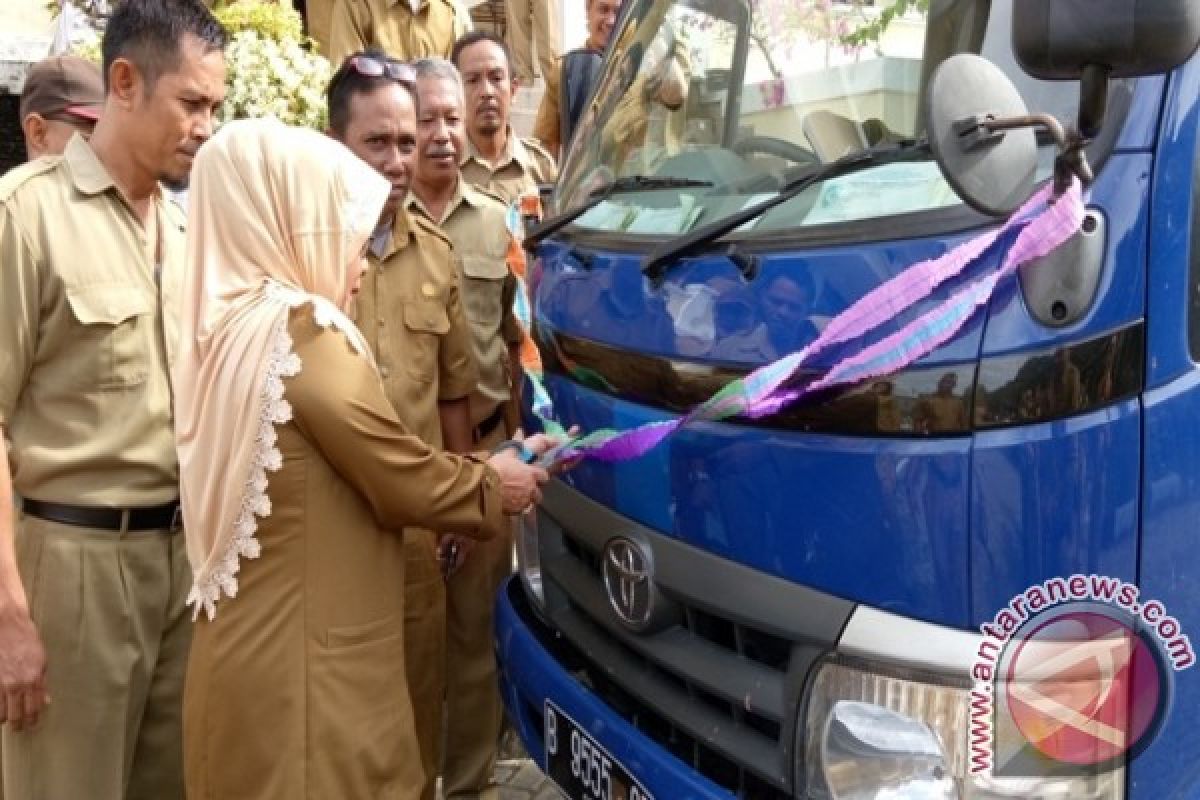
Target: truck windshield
<point>746,94</point>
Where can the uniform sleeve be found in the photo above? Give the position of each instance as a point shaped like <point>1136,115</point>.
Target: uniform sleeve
<point>546,126</point>
<point>548,169</point>
<point>19,303</point>
<point>457,373</point>
<point>349,31</point>
<point>339,406</point>
<point>510,328</point>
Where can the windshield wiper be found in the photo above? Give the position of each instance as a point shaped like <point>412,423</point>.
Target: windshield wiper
<point>626,185</point>
<point>657,261</point>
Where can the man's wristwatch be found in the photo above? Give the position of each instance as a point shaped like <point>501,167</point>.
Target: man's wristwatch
<point>522,452</point>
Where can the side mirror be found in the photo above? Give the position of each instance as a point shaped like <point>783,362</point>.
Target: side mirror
<point>1061,39</point>
<point>991,169</point>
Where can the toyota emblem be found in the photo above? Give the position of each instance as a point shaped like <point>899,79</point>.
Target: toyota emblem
<point>629,580</point>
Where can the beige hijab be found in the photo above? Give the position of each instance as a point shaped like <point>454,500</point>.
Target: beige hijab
<point>278,218</point>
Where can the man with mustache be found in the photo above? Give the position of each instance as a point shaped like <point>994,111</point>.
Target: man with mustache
<point>497,159</point>
<point>474,221</point>
<point>94,586</point>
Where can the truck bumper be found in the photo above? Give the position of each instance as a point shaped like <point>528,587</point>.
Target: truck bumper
<point>530,675</point>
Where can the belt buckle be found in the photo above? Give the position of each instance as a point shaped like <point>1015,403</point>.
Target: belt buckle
<point>177,517</point>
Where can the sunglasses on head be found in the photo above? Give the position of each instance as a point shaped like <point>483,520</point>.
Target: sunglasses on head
<point>393,69</point>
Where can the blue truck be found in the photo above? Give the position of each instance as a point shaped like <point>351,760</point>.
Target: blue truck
<point>792,606</point>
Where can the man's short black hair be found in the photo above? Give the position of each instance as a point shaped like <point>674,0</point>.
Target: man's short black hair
<point>348,82</point>
<point>475,37</point>
<point>150,33</point>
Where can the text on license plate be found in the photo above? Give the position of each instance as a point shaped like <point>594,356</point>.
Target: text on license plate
<point>581,767</point>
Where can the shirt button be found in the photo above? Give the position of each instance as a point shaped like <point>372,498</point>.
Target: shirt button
<point>384,371</point>
<point>381,323</point>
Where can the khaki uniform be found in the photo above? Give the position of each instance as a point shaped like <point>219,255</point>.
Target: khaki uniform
<point>474,221</point>
<point>547,126</point>
<point>522,167</point>
<point>532,25</point>
<point>410,311</point>
<point>393,26</point>
<point>296,689</point>
<point>85,399</point>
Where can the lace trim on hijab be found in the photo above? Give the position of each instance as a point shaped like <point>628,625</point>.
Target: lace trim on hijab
<point>274,410</point>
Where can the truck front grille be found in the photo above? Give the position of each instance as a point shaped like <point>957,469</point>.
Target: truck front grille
<point>720,688</point>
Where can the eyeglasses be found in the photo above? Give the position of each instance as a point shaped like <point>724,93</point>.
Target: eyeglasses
<point>393,69</point>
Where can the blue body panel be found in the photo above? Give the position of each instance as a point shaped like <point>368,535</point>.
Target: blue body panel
<point>842,514</point>
<point>1169,568</point>
<point>529,676</point>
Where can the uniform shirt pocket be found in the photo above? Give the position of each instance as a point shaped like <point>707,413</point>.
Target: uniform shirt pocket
<point>426,322</point>
<point>116,331</point>
<point>483,290</point>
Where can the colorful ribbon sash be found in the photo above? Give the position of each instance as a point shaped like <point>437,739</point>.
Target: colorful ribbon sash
<point>1040,226</point>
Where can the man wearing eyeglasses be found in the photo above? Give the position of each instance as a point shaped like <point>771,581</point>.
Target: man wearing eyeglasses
<point>410,310</point>
<point>62,96</point>
<point>404,29</point>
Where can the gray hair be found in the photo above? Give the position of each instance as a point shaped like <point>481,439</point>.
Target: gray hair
<point>441,69</point>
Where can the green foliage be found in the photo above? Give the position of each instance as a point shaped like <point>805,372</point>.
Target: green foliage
<point>871,32</point>
<point>269,20</point>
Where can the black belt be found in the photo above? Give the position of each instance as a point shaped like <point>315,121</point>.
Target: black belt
<point>166,516</point>
<point>485,428</point>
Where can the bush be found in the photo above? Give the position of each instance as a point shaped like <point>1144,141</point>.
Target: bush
<point>273,67</point>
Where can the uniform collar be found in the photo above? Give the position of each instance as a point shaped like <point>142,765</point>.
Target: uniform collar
<point>400,232</point>
<point>463,193</point>
<point>87,173</point>
<point>514,150</point>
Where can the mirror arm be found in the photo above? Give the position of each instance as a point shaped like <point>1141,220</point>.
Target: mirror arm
<point>1071,160</point>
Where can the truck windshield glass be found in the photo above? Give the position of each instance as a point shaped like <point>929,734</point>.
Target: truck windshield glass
<point>748,94</point>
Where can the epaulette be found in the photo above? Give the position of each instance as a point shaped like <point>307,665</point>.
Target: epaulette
<point>536,146</point>
<point>488,194</point>
<point>422,224</point>
<point>18,176</point>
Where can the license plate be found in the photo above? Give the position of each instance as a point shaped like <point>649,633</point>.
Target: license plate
<point>581,767</point>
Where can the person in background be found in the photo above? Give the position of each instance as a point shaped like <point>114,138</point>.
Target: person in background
<point>532,26</point>
<point>784,306</point>
<point>475,223</point>
<point>578,81</point>
<point>63,96</point>
<point>298,480</point>
<point>496,158</point>
<point>93,586</point>
<point>404,29</point>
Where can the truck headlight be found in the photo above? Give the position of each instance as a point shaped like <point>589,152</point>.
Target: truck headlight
<point>873,733</point>
<point>529,559</point>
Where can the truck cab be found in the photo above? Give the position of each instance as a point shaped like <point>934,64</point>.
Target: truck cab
<point>698,622</point>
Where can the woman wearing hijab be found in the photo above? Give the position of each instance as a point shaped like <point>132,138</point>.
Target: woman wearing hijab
<point>297,478</point>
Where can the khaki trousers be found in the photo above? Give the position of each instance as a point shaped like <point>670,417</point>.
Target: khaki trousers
<point>110,608</point>
<point>533,25</point>
<point>425,647</point>
<point>474,711</point>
